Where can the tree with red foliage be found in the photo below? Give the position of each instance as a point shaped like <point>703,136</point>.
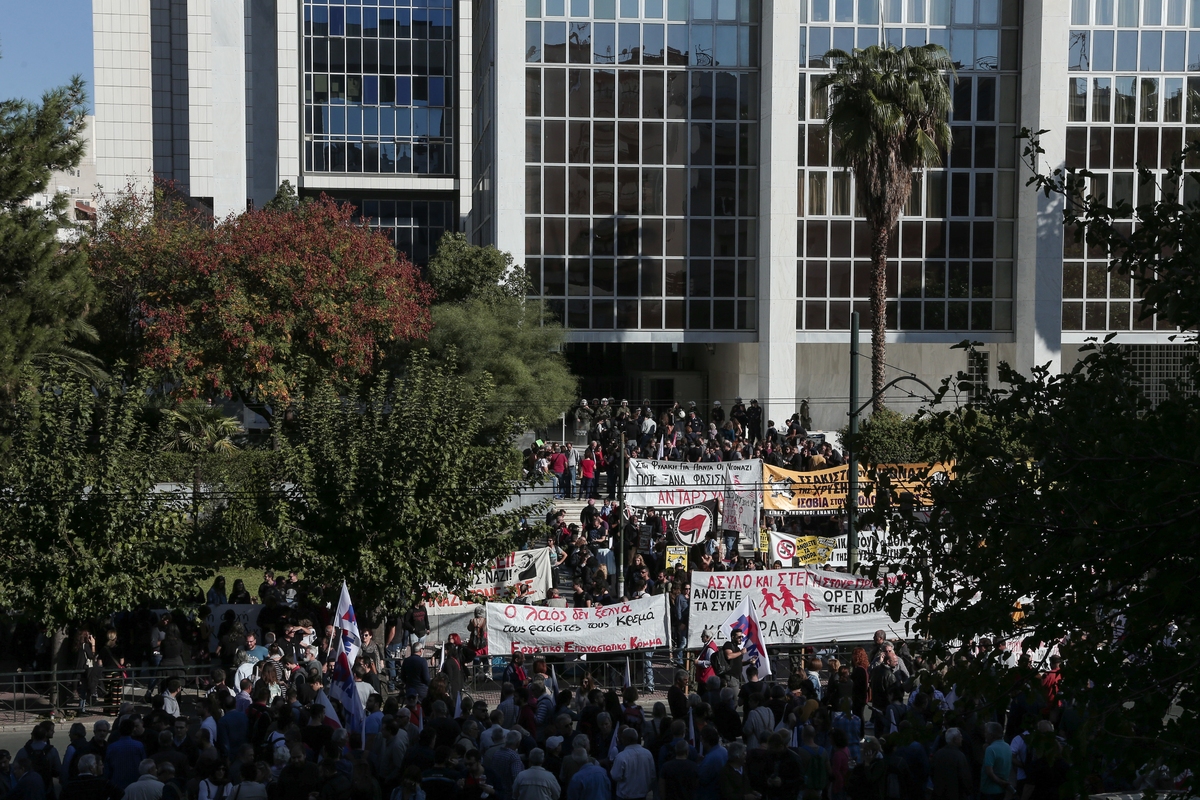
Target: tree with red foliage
<point>252,303</point>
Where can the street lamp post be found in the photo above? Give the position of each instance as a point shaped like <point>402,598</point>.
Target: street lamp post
<point>852,471</point>
<point>852,455</point>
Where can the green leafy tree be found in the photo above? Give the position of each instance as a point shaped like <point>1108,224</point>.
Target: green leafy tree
<point>285,198</point>
<point>889,437</point>
<point>44,285</point>
<point>483,323</point>
<point>82,530</point>
<point>391,489</point>
<point>461,271</point>
<point>199,428</point>
<point>1071,520</point>
<point>888,112</point>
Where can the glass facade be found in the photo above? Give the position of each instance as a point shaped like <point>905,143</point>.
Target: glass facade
<point>950,263</point>
<point>1133,101</point>
<point>415,223</point>
<point>641,152</point>
<point>379,87</point>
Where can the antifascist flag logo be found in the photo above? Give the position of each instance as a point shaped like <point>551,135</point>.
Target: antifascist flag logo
<point>694,523</point>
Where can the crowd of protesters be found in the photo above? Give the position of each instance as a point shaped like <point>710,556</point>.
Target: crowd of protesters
<point>874,722</point>
<point>673,434</point>
<point>880,726</point>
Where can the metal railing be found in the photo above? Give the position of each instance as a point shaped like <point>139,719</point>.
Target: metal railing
<point>28,696</point>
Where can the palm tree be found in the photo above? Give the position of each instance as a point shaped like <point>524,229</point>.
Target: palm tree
<point>198,427</point>
<point>888,112</point>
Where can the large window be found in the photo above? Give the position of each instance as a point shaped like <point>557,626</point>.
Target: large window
<point>950,263</point>
<point>1133,101</point>
<point>378,87</point>
<point>641,152</point>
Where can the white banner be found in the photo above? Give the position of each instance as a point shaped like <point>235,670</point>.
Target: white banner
<point>793,551</point>
<point>795,606</point>
<point>739,510</point>
<point>640,624</point>
<point>671,484</point>
<point>833,550</point>
<point>674,484</point>
<point>449,613</point>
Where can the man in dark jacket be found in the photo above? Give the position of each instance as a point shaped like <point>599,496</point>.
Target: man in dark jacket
<point>416,627</point>
<point>733,781</point>
<point>89,783</point>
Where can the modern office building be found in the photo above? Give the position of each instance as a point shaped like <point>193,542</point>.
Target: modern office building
<point>662,170</point>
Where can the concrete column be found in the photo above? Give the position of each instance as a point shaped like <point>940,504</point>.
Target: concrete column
<point>508,122</point>
<point>290,45</point>
<point>228,107</point>
<point>123,130</point>
<point>779,78</point>
<point>201,121</point>
<point>1038,280</point>
<point>464,88</point>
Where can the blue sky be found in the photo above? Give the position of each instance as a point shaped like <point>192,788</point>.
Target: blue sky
<point>42,44</point>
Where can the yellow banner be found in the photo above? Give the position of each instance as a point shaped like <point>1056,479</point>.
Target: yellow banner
<point>824,491</point>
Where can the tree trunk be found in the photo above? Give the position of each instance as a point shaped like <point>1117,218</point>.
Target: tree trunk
<point>57,638</point>
<point>879,247</point>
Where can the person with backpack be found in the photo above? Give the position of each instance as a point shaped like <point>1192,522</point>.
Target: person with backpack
<point>816,766</point>
<point>704,661</point>
<point>43,757</point>
<point>631,713</point>
<point>728,664</point>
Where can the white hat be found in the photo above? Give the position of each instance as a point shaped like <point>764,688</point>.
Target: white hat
<point>603,399</point>
<point>553,742</point>
<point>708,633</point>
<point>716,403</point>
<point>583,402</point>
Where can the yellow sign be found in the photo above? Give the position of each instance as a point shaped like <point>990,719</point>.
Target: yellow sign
<point>824,491</point>
<point>676,557</point>
<point>764,539</point>
<point>813,550</point>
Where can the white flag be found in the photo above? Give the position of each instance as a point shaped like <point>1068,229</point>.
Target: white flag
<point>343,685</point>
<point>745,619</point>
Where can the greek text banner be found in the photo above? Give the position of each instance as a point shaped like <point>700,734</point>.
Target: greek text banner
<point>824,491</point>
<point>671,484</point>
<point>633,625</point>
<point>794,606</point>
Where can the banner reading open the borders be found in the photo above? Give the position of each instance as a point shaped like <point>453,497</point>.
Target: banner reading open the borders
<point>794,606</point>
<point>640,624</point>
<point>824,491</point>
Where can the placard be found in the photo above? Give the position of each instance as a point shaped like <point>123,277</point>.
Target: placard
<point>801,550</point>
<point>833,551</point>
<point>676,557</point>
<point>795,606</point>
<point>640,624</point>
